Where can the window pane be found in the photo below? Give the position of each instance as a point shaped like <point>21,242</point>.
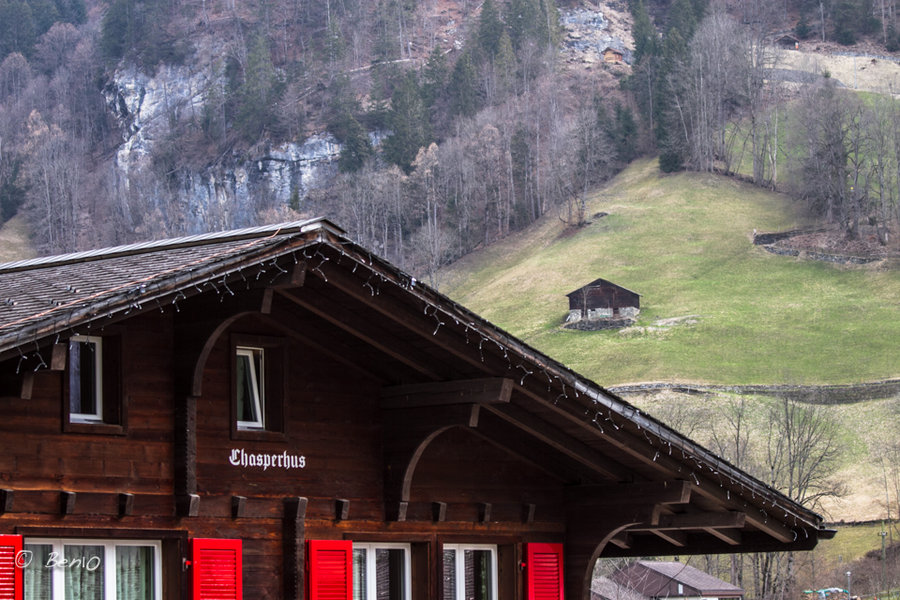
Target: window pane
<point>449,575</point>
<point>38,576</point>
<point>390,575</point>
<point>83,378</point>
<point>134,573</point>
<point>249,380</point>
<point>478,574</point>
<point>359,574</point>
<point>84,572</point>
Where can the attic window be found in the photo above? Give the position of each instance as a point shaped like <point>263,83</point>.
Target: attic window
<point>86,379</point>
<point>257,387</point>
<point>250,387</point>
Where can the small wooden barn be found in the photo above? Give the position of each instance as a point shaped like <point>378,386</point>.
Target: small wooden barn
<point>603,299</point>
<point>278,413</point>
<point>613,55</point>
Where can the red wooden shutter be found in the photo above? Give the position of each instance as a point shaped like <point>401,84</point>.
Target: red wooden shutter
<point>544,564</point>
<point>329,565</point>
<point>10,573</point>
<point>216,569</point>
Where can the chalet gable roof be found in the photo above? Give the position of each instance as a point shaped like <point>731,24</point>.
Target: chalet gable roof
<point>618,465</point>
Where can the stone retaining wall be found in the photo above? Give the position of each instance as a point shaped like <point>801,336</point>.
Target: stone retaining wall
<point>810,394</point>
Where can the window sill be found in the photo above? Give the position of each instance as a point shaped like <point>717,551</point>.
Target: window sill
<point>258,435</point>
<point>95,428</point>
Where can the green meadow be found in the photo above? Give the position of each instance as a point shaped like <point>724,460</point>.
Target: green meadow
<point>714,307</point>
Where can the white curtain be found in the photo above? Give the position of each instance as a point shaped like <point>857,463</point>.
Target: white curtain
<point>134,573</point>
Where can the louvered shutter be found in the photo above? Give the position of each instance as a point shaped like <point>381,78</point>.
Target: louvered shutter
<point>216,569</point>
<point>330,569</point>
<point>10,574</point>
<point>544,564</point>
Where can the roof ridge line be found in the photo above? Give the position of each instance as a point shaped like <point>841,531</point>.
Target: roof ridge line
<point>172,243</point>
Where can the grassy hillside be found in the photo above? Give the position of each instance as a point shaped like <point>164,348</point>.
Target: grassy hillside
<point>684,243</point>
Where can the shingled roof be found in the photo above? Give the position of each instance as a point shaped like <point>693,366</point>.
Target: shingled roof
<point>596,438</point>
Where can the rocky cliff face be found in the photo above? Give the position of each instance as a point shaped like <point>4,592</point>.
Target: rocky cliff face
<point>224,195</point>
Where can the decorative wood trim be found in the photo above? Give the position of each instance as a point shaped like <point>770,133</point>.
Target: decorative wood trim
<point>58,356</point>
<point>185,466</point>
<point>187,505</point>
<point>238,506</point>
<point>439,512</point>
<point>488,390</point>
<point>66,503</point>
<point>294,548</point>
<point>27,386</point>
<point>341,509</point>
<point>126,504</point>
<point>528,510</point>
<point>484,512</point>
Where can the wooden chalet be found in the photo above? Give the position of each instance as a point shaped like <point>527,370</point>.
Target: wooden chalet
<point>278,413</point>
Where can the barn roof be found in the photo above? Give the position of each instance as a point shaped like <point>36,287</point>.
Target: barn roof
<point>598,282</point>
<point>418,341</point>
<point>684,574</point>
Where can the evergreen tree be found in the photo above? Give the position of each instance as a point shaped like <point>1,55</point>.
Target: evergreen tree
<point>490,27</point>
<point>434,77</point>
<point>259,92</point>
<point>409,124</point>
<point>505,65</point>
<point>17,28</point>
<point>644,33</point>
<point>355,145</point>
<point>463,87</point>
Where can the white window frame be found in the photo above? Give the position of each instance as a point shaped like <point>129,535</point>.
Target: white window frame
<point>258,387</point>
<point>109,562</point>
<point>370,548</point>
<point>97,415</point>
<point>460,568</point>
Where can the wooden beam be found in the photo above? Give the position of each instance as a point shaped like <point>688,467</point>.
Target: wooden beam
<point>294,278</point>
<point>310,336</point>
<point>511,440</point>
<point>647,493</point>
<point>528,510</point>
<point>294,550</point>
<point>438,512</point>
<point>622,540</point>
<point>67,503</point>
<point>562,442</point>
<point>58,356</point>
<point>126,504</point>
<point>362,329</point>
<point>238,507</point>
<point>187,505</point>
<point>6,501</point>
<point>698,520</point>
<point>484,512</point>
<point>488,390</point>
<point>413,321</point>
<point>341,509</point>
<point>729,536</point>
<point>676,538</point>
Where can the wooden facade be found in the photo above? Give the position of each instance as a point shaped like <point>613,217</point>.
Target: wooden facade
<point>278,413</point>
<point>602,294</point>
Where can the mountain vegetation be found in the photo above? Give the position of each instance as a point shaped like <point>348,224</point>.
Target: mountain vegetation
<point>717,309</point>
